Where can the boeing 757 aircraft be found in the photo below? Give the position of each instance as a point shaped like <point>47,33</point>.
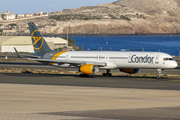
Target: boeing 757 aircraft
<point>90,62</point>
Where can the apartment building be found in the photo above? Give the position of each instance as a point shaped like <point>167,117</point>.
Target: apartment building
<point>29,15</point>
<point>20,15</point>
<point>1,17</point>
<point>8,15</point>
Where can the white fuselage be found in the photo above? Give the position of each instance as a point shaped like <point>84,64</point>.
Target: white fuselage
<point>116,59</point>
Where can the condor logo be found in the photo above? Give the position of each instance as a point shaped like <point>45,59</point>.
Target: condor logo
<point>141,59</point>
<point>37,41</point>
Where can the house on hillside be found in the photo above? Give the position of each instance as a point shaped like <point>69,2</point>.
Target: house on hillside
<point>1,17</point>
<point>38,13</point>
<point>8,15</point>
<point>29,15</point>
<point>20,15</point>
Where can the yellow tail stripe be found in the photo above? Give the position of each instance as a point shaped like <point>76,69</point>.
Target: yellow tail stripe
<point>56,56</point>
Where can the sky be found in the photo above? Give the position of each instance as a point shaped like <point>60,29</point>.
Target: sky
<point>32,6</point>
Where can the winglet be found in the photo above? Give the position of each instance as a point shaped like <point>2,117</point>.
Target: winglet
<point>17,53</point>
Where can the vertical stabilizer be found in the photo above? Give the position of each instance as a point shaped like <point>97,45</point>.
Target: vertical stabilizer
<point>39,43</point>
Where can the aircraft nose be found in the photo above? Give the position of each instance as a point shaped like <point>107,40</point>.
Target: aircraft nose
<point>175,64</point>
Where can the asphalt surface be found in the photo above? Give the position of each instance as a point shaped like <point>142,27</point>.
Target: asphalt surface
<point>92,81</point>
<point>136,98</point>
<point>146,86</point>
<point>170,113</point>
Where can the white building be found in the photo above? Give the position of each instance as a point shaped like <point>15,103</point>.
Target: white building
<point>1,17</point>
<point>20,15</point>
<point>1,27</point>
<point>29,15</point>
<point>24,43</point>
<point>10,16</point>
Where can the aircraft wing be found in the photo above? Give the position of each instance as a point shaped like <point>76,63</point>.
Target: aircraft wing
<point>75,63</point>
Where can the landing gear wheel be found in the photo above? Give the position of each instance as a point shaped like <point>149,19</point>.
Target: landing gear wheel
<point>107,74</point>
<point>104,74</point>
<point>159,73</point>
<point>84,75</point>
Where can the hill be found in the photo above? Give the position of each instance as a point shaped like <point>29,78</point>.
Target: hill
<point>120,17</point>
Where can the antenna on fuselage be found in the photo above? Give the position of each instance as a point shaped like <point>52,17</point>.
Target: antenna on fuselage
<point>142,49</point>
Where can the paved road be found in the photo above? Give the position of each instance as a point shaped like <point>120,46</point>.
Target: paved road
<point>69,97</point>
<point>92,81</point>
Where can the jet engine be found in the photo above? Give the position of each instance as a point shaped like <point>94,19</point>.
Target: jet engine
<point>130,70</point>
<point>89,69</point>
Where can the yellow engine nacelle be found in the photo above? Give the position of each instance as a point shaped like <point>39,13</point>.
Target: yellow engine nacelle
<point>129,70</point>
<point>89,69</point>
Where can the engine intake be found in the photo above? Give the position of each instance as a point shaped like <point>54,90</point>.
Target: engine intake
<point>89,69</point>
<point>130,70</point>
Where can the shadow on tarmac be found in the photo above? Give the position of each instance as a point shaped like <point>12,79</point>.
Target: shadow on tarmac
<point>125,114</point>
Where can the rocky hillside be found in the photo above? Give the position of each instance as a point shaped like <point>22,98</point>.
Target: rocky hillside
<point>120,17</point>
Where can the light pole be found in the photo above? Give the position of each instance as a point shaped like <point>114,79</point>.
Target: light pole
<point>178,51</point>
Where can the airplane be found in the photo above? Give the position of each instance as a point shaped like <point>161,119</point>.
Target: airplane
<point>90,62</point>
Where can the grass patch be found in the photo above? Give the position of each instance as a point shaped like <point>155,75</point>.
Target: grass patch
<point>125,18</point>
<point>64,71</point>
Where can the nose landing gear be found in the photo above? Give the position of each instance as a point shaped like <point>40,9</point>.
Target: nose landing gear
<point>159,73</point>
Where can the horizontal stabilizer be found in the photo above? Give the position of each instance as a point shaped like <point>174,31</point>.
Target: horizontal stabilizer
<point>25,56</point>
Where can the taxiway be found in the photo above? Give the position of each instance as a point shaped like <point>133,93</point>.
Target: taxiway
<point>69,97</point>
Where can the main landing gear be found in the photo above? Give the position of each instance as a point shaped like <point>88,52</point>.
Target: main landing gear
<point>107,74</point>
<point>84,75</point>
<point>159,73</point>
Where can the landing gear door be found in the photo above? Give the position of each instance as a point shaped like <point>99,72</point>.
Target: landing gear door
<point>99,57</point>
<point>66,57</point>
<point>157,59</point>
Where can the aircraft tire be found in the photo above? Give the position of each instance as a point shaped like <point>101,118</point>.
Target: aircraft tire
<point>107,75</point>
<point>84,75</point>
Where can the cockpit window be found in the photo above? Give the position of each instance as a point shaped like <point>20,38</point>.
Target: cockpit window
<point>171,59</point>
<point>168,59</point>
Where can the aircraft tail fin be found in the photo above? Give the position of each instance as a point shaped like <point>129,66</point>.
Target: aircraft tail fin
<point>39,43</point>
